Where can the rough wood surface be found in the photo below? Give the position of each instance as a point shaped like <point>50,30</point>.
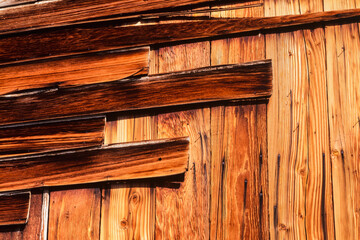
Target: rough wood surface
<point>56,135</point>
<point>128,209</point>
<point>14,208</point>
<point>63,12</point>
<point>88,165</point>
<point>232,214</point>
<point>74,214</point>
<point>342,44</point>
<point>32,229</point>
<point>10,3</point>
<point>110,35</point>
<point>195,86</point>
<point>182,208</point>
<point>72,71</point>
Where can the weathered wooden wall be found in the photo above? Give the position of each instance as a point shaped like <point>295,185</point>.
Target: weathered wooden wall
<point>313,130</point>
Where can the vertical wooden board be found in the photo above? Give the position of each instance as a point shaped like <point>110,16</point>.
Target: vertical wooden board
<point>32,229</point>
<point>228,51</point>
<point>127,208</point>
<point>74,213</point>
<point>342,44</point>
<point>183,211</point>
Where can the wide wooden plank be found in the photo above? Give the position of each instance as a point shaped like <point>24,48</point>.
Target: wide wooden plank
<point>113,35</point>
<point>194,86</point>
<point>74,213</point>
<point>60,12</point>
<point>126,161</point>
<point>76,70</point>
<point>14,208</point>
<point>53,135</point>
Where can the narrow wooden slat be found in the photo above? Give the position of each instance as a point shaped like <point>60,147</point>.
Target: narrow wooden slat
<point>60,12</point>
<point>72,71</point>
<point>9,3</point>
<point>78,166</point>
<point>74,214</point>
<point>195,86</point>
<point>56,135</point>
<point>14,208</point>
<point>112,35</point>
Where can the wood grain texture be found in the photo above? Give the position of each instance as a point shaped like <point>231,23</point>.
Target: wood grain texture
<point>182,209</point>
<point>56,135</point>
<point>74,214</point>
<point>14,208</point>
<point>63,12</point>
<point>112,35</point>
<point>128,209</point>
<point>229,161</point>
<point>88,165</point>
<point>195,86</point>
<point>32,229</point>
<point>342,44</point>
<point>10,3</point>
<point>73,71</point>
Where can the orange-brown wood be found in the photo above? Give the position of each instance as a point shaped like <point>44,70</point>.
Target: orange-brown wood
<point>14,208</point>
<point>74,214</point>
<point>248,80</point>
<point>131,204</point>
<point>135,160</point>
<point>56,135</point>
<point>76,70</point>
<point>182,209</point>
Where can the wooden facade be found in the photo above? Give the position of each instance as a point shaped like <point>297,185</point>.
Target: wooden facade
<point>265,92</point>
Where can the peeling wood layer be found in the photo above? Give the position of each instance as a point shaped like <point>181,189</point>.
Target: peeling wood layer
<point>112,35</point>
<point>126,161</point>
<point>14,208</point>
<point>241,81</point>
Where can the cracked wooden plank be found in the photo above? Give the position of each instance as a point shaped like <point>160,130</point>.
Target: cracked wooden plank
<point>137,160</point>
<point>248,80</point>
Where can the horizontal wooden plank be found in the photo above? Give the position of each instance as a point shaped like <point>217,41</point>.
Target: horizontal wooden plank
<point>136,160</point>
<point>10,3</point>
<point>111,35</point>
<point>59,12</point>
<point>14,208</point>
<point>208,84</point>
<point>55,135</point>
<point>77,70</point>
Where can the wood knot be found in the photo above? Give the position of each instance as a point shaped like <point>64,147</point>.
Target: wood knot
<point>135,198</point>
<point>283,227</point>
<point>123,224</point>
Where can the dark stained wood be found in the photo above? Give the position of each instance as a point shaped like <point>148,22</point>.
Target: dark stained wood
<point>31,230</point>
<point>75,70</point>
<point>14,208</point>
<point>231,82</point>
<point>55,135</point>
<point>75,214</point>
<point>126,161</point>
<point>60,12</point>
<point>111,35</point>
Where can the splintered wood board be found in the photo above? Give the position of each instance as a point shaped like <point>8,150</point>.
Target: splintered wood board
<point>113,35</point>
<point>14,208</point>
<point>76,70</point>
<point>126,161</point>
<point>201,85</point>
<point>49,136</point>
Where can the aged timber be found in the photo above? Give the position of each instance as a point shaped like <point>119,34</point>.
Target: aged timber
<point>136,160</point>
<point>75,70</point>
<point>60,12</point>
<point>239,81</point>
<point>112,35</point>
<point>14,208</point>
<point>55,135</point>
